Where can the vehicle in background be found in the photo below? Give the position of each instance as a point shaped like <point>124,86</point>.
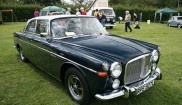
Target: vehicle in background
<point>47,10</point>
<point>175,21</point>
<point>56,13</point>
<point>110,15</point>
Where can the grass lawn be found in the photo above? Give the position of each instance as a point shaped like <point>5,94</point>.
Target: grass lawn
<point>25,84</point>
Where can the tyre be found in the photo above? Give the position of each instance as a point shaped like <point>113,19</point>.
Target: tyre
<point>169,25</point>
<point>111,27</point>
<point>179,26</point>
<point>77,87</point>
<point>22,56</point>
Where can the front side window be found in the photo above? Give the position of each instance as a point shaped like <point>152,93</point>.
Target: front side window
<point>76,27</point>
<point>179,18</point>
<point>31,26</point>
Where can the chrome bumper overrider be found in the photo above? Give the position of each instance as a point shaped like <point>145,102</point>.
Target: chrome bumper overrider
<point>131,89</point>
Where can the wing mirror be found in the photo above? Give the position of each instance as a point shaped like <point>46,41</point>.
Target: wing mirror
<point>49,39</point>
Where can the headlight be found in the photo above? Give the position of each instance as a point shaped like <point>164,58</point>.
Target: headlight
<point>105,66</point>
<point>116,83</point>
<point>116,69</point>
<point>155,55</point>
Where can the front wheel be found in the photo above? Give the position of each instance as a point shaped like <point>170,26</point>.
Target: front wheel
<point>77,87</point>
<point>179,26</point>
<point>111,27</point>
<point>22,56</point>
<point>169,25</point>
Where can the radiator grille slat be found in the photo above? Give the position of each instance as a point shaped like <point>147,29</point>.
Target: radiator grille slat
<point>137,68</point>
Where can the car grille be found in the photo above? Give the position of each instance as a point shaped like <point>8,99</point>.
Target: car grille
<point>137,69</point>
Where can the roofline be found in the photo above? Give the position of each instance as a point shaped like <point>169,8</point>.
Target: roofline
<point>59,16</point>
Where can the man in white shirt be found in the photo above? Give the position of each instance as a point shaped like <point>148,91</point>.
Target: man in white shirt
<point>127,21</point>
<point>68,11</point>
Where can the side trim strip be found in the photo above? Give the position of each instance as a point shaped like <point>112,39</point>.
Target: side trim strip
<point>60,56</point>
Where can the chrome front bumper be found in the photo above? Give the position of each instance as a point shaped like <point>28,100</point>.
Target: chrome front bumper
<point>131,89</point>
<point>107,25</point>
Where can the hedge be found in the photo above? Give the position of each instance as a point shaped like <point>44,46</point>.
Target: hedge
<point>148,13</point>
<point>24,12</point>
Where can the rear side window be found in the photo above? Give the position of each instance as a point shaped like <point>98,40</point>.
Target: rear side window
<point>41,26</point>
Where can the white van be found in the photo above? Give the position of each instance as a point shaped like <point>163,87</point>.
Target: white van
<point>110,15</point>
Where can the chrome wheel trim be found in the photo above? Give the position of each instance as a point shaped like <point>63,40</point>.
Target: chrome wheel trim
<point>179,26</point>
<point>169,25</point>
<point>75,87</point>
<point>22,55</point>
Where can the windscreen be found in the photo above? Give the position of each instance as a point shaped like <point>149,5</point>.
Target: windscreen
<point>65,27</point>
<point>107,11</point>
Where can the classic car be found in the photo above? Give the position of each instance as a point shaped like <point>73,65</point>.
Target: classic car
<point>175,21</point>
<point>89,61</point>
<point>110,15</point>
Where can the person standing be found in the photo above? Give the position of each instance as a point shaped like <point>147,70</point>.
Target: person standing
<point>127,21</point>
<point>141,17</point>
<point>96,14</point>
<point>83,11</point>
<point>36,13</point>
<point>103,19</point>
<point>78,12</point>
<point>68,11</point>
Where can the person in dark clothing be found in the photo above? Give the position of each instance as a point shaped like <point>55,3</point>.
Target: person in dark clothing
<point>136,24</point>
<point>103,19</point>
<point>127,21</point>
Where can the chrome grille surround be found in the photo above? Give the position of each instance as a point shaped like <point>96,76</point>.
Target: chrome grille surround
<point>137,68</point>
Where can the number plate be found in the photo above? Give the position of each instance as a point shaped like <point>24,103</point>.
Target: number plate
<point>144,87</point>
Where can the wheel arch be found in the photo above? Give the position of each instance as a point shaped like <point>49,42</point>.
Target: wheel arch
<point>65,67</point>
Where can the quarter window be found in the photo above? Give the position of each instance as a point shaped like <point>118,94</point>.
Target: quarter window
<point>31,26</point>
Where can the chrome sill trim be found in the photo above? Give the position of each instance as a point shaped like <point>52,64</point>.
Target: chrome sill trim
<point>128,89</point>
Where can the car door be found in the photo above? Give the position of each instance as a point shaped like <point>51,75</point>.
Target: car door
<point>41,50</point>
<point>172,21</point>
<point>26,38</point>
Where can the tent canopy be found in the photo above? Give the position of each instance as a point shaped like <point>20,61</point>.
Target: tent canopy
<point>165,10</point>
<point>45,11</point>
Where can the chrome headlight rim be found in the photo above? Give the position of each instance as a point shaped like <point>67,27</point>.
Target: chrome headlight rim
<point>115,72</point>
<point>155,56</point>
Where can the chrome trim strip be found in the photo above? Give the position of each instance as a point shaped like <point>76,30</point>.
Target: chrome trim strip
<point>127,90</point>
<point>60,56</point>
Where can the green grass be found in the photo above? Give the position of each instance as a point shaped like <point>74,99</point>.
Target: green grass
<point>25,84</point>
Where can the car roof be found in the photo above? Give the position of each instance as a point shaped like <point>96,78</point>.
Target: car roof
<point>58,16</point>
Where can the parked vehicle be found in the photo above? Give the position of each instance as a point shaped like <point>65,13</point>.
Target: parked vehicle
<point>110,15</point>
<point>175,21</point>
<point>91,62</point>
